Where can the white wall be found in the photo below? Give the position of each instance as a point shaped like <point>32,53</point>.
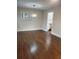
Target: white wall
<point>56,25</point>
<point>56,29</point>
<point>29,24</point>
<point>45,20</point>
<point>41,21</point>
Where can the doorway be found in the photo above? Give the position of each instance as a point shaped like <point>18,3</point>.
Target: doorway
<point>50,21</point>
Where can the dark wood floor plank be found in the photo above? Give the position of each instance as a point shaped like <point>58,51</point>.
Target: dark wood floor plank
<point>38,45</point>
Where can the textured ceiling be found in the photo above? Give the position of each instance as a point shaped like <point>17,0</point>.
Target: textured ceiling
<point>38,4</point>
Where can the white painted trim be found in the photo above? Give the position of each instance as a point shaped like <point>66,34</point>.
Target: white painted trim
<point>56,34</point>
<point>44,29</point>
<point>40,29</point>
<point>28,30</point>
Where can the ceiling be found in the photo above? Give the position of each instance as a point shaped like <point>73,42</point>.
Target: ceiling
<point>38,4</point>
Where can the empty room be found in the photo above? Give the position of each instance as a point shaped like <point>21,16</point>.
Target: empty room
<point>38,29</point>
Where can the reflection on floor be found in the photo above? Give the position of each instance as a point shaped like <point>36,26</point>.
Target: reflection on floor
<point>38,45</point>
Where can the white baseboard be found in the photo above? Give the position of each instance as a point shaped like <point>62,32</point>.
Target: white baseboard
<point>56,34</point>
<point>41,29</point>
<point>45,30</point>
<point>28,30</point>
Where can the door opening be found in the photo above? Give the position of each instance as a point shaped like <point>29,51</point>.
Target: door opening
<point>49,21</point>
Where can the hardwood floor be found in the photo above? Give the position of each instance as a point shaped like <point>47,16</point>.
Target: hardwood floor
<point>38,45</point>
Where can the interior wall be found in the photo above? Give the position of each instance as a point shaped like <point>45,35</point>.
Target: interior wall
<point>41,21</point>
<point>56,29</point>
<point>45,20</point>
<point>29,24</point>
<point>56,25</point>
